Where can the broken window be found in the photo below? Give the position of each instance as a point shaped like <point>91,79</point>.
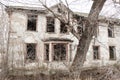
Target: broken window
<point>63,28</point>
<point>31,52</point>
<point>59,52</point>
<point>110,30</point>
<point>47,52</point>
<point>112,53</point>
<point>96,52</point>
<point>50,24</point>
<point>31,24</point>
<point>80,20</point>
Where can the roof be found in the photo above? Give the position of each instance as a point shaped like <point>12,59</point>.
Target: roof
<point>38,9</point>
<point>35,10</point>
<point>110,8</point>
<point>41,9</point>
<point>101,18</point>
<point>26,7</point>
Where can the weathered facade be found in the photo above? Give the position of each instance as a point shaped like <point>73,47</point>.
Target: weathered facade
<point>35,42</point>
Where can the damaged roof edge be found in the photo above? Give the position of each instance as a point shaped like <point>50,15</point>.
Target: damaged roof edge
<point>57,39</point>
<point>38,9</point>
<point>24,8</point>
<point>101,18</point>
<point>44,11</point>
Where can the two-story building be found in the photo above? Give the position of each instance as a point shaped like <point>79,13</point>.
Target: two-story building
<point>37,39</point>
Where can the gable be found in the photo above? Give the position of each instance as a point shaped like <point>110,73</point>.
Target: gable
<point>59,9</point>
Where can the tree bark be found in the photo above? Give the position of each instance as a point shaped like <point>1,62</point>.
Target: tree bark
<point>90,31</point>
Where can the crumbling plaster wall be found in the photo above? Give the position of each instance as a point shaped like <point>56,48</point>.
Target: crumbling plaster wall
<point>19,36</point>
<point>103,41</point>
<point>4,30</point>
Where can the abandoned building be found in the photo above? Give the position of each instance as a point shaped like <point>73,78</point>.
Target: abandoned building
<point>36,38</point>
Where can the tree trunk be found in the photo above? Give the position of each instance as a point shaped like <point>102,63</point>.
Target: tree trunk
<point>90,31</point>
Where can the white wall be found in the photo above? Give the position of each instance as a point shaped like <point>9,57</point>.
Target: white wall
<point>4,26</point>
<point>19,36</point>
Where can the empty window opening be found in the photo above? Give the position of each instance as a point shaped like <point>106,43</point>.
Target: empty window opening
<point>31,25</point>
<point>96,52</point>
<point>50,24</point>
<point>112,54</point>
<point>59,52</point>
<point>47,52</point>
<point>31,52</point>
<point>70,52</point>
<point>63,28</point>
<point>110,30</point>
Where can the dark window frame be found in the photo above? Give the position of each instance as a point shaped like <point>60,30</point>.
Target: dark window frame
<point>26,55</point>
<point>98,53</point>
<point>52,53</point>
<point>112,53</point>
<point>50,25</point>
<point>66,48</point>
<point>46,55</point>
<point>30,19</point>
<point>62,25</point>
<point>111,30</point>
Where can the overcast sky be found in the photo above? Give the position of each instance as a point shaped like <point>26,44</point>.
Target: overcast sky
<point>109,9</point>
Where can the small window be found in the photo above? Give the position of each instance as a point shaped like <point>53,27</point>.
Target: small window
<point>59,52</point>
<point>31,52</point>
<point>50,24</point>
<point>96,52</point>
<point>31,24</point>
<point>110,30</point>
<point>112,55</point>
<point>47,52</point>
<point>59,10</point>
<point>70,52</point>
<point>63,28</point>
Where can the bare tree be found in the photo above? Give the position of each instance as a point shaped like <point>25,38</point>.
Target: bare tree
<point>90,23</point>
<point>86,37</point>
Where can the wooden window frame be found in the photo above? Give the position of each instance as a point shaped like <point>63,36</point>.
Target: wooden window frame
<point>45,52</point>
<point>66,45</point>
<point>26,60</point>
<point>98,58</point>
<point>111,29</point>
<point>113,54</point>
<point>36,23</point>
<point>47,23</point>
<point>52,53</point>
